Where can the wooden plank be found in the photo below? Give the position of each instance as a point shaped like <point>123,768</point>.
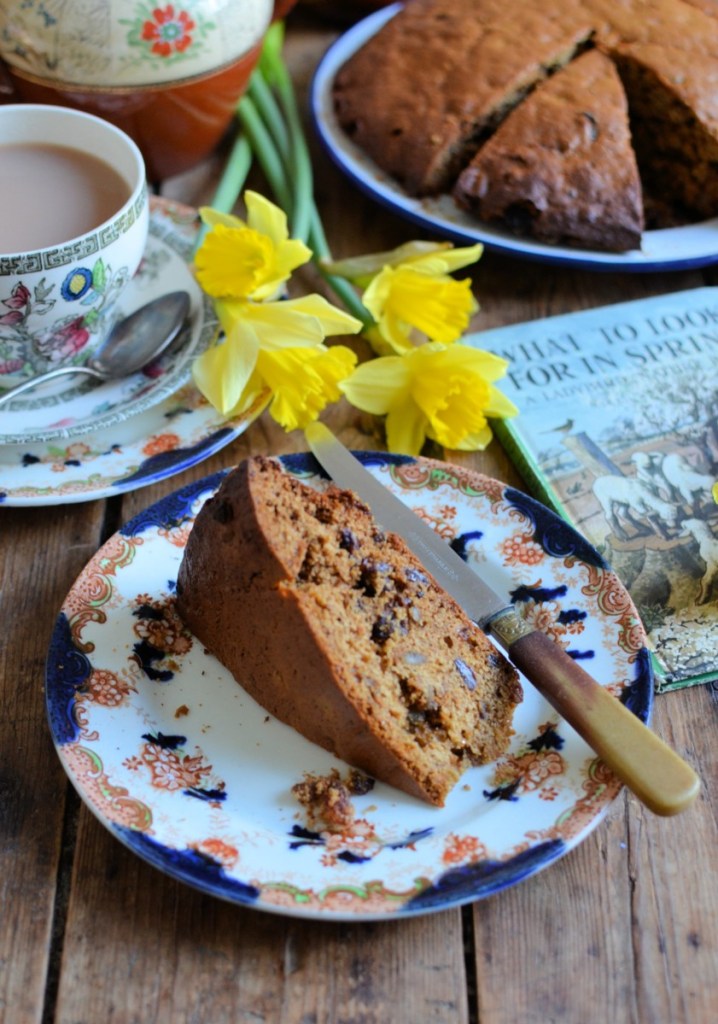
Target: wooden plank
<point>633,941</point>
<point>674,877</point>
<point>556,947</point>
<point>141,947</point>
<point>42,550</point>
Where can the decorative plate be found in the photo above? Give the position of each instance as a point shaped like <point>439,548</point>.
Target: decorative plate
<point>183,767</point>
<point>75,406</point>
<point>695,245</point>
<point>167,439</point>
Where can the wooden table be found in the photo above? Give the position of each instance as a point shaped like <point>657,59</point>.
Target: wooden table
<point>622,929</point>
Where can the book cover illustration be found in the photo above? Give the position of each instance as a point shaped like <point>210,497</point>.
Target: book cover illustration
<point>618,431</point>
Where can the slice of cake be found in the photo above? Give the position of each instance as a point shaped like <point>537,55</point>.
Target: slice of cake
<point>561,167</point>
<point>421,94</point>
<point>673,104</point>
<point>336,628</point>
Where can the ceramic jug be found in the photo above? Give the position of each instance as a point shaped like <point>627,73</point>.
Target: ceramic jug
<point>169,74</point>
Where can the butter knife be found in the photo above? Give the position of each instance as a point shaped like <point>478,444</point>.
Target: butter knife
<point>654,772</point>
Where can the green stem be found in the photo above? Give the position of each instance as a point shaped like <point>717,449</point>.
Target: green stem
<point>234,176</point>
<point>275,135</point>
<point>342,288</point>
<point>301,169</point>
<point>265,151</point>
<point>270,112</point>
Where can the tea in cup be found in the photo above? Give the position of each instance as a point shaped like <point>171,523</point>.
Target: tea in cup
<point>74,216</point>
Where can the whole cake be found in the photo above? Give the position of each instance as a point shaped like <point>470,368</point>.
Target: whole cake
<point>424,96</point>
<point>336,628</point>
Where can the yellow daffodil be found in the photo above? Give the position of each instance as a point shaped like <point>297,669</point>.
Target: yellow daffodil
<point>251,260</point>
<point>410,293</point>
<point>442,392</point>
<point>434,258</point>
<point>276,349</point>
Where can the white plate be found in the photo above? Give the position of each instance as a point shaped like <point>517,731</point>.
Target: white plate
<point>75,405</point>
<point>695,245</point>
<point>182,766</point>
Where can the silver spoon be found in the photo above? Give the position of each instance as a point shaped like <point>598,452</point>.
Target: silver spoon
<point>131,344</point>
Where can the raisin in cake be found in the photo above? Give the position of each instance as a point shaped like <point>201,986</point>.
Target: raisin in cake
<point>337,629</point>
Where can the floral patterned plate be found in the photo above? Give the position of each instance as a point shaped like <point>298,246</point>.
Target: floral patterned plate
<point>159,443</point>
<point>182,766</point>
<point>74,406</point>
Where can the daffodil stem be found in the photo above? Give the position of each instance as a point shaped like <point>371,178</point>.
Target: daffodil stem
<point>270,112</point>
<point>342,289</point>
<point>235,174</point>
<point>273,131</point>
<point>302,174</point>
<point>266,109</point>
<point>266,152</point>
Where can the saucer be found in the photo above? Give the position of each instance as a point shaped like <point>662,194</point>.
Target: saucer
<point>158,443</point>
<point>75,406</point>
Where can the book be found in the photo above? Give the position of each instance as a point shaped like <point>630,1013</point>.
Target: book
<point>617,431</point>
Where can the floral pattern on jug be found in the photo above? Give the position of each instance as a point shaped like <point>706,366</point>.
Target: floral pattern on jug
<point>112,44</point>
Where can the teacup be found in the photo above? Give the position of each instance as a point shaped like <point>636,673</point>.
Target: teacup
<point>74,216</point>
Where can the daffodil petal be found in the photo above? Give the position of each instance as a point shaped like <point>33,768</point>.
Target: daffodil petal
<point>212,217</point>
<point>448,260</point>
<point>255,395</point>
<point>488,365</point>
<point>303,381</point>
<point>472,442</point>
<point>222,372</point>
<point>355,267</point>
<point>406,428</point>
<point>229,312</point>
<point>499,406</point>
<point>378,385</point>
<point>279,326</point>
<point>333,320</point>
<point>265,217</point>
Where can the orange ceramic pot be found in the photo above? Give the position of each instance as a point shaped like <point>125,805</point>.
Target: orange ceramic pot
<point>170,76</point>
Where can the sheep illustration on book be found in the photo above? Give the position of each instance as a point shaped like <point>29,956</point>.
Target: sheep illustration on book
<point>673,477</point>
<point>708,551</point>
<point>632,507</point>
<point>626,500</point>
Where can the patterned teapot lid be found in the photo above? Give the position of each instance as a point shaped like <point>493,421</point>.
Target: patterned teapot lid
<point>119,44</point>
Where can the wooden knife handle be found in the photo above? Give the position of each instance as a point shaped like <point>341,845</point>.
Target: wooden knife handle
<point>662,780</point>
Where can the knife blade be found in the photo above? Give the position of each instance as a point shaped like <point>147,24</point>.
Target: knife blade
<point>654,772</point>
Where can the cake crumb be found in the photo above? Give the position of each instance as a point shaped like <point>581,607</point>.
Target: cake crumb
<point>181,711</point>
<point>327,798</point>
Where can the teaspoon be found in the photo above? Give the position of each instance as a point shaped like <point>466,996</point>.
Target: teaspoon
<point>131,344</point>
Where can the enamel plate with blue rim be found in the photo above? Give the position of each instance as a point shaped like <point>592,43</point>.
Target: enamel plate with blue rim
<point>680,248</point>
<point>183,767</point>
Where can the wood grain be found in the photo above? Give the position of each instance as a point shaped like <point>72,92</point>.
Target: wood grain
<point>41,553</point>
<point>623,929</point>
<point>140,947</point>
